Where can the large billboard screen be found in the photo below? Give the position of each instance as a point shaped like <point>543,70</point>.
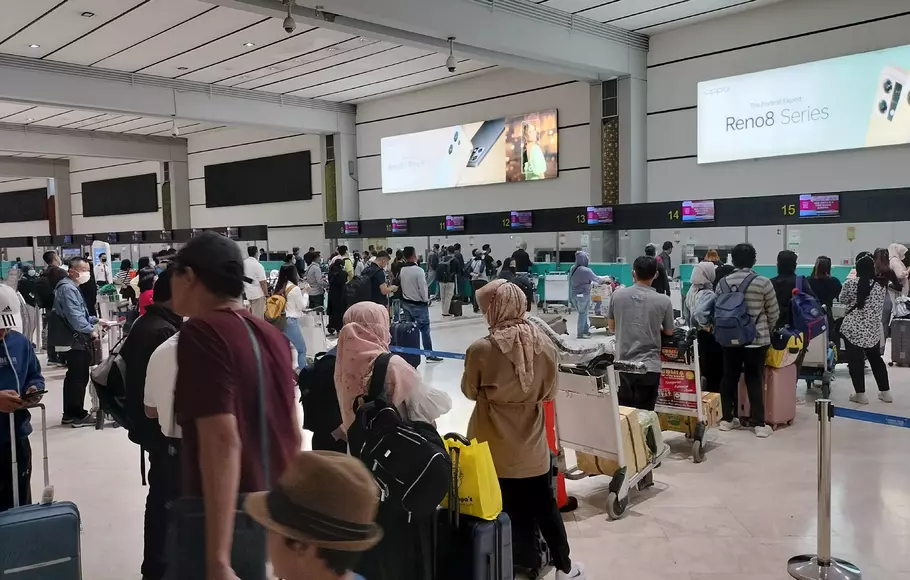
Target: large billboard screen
<point>508,149</point>
<point>849,102</point>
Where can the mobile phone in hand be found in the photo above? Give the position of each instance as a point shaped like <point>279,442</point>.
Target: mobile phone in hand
<point>33,397</point>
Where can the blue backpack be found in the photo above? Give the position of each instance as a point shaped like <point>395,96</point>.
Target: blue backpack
<point>733,325</point>
<point>806,313</point>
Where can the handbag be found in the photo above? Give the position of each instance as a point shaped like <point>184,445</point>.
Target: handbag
<point>479,494</point>
<point>186,535</point>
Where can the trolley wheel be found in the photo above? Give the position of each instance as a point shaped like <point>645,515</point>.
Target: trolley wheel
<point>616,508</point>
<point>698,452</point>
<point>826,390</point>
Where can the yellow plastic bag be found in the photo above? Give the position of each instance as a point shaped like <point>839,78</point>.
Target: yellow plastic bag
<point>478,487</point>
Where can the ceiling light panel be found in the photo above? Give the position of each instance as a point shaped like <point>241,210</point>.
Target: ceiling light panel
<point>328,57</point>
<point>36,114</point>
<point>186,37</point>
<point>370,63</point>
<point>18,16</point>
<point>425,63</point>
<point>284,50</point>
<point>437,76</point>
<point>64,25</point>
<point>138,25</point>
<point>260,35</point>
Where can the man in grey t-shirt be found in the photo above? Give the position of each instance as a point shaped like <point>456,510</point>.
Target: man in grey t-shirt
<point>639,315</point>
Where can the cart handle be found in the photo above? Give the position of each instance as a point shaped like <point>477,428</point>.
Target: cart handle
<point>634,368</point>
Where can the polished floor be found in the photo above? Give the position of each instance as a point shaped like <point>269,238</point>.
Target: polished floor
<point>738,516</point>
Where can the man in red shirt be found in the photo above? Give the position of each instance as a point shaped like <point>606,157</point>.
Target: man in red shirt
<point>217,399</point>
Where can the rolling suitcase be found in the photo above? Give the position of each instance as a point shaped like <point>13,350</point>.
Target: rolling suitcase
<point>779,395</point>
<point>39,542</point>
<point>456,307</point>
<point>469,548</point>
<point>900,342</point>
<point>405,334</point>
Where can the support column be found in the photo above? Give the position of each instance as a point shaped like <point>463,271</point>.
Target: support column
<point>347,197</point>
<point>59,187</point>
<point>632,104</point>
<point>179,196</point>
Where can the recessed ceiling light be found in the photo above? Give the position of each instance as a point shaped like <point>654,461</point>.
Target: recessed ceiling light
<point>363,39</point>
<point>183,68</point>
<point>87,14</point>
<point>332,49</point>
<point>249,44</point>
<point>29,120</point>
<point>34,46</point>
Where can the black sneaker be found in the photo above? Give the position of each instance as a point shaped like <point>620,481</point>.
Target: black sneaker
<point>87,421</point>
<point>434,359</point>
<point>66,420</point>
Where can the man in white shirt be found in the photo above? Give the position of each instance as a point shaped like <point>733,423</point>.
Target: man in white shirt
<point>103,273</point>
<point>256,288</point>
<point>160,379</point>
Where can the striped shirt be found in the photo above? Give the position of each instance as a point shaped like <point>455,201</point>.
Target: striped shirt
<point>761,302</point>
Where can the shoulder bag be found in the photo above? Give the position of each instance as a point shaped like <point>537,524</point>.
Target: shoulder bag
<point>186,536</point>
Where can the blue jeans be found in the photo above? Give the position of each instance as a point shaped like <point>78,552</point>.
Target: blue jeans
<point>582,303</point>
<point>295,335</point>
<point>420,315</point>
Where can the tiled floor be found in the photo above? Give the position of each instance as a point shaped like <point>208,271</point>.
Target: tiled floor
<point>738,516</point>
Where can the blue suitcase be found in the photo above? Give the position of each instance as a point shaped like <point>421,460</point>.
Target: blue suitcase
<point>405,334</point>
<point>39,542</point>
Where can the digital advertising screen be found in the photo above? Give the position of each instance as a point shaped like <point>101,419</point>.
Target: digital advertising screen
<point>812,205</point>
<point>599,216</point>
<point>793,110</point>
<point>399,226</point>
<point>508,149</point>
<point>698,211</point>
<point>522,220</point>
<point>351,228</point>
<point>454,223</point>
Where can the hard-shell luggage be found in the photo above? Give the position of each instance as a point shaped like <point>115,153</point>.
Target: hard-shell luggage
<point>39,542</point>
<point>900,342</point>
<point>779,395</point>
<point>456,307</point>
<point>405,334</point>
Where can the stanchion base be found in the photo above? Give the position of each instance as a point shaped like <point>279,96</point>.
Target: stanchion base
<point>806,567</point>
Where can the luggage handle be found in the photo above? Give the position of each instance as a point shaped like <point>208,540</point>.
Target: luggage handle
<point>457,437</point>
<point>15,458</point>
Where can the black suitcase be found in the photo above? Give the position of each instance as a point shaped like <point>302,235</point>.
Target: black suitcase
<point>900,342</point>
<point>456,308</point>
<point>405,334</point>
<point>469,548</point>
<point>40,541</point>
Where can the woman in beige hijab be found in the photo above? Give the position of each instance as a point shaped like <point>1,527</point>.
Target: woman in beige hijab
<point>510,373</point>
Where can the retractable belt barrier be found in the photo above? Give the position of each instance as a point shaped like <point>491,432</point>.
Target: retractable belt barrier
<point>869,417</point>
<point>421,352</point>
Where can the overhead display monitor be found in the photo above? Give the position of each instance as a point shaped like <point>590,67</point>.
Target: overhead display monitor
<point>813,205</point>
<point>113,237</point>
<point>399,226</point>
<point>70,253</point>
<point>232,233</point>
<point>454,223</point>
<point>166,235</point>
<point>507,149</point>
<point>599,216</point>
<point>138,236</point>
<point>351,228</point>
<point>698,211</point>
<point>850,102</point>
<point>522,220</point>
<point>67,239</point>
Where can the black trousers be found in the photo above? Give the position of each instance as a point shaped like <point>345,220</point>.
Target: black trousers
<point>74,384</point>
<point>739,360</point>
<point>855,356</point>
<point>24,457</point>
<point>475,286</point>
<point>639,391</point>
<point>326,442</point>
<point>531,504</point>
<point>164,488</point>
<point>710,361</point>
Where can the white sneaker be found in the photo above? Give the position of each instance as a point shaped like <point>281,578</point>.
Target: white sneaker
<point>729,425</point>
<point>859,398</point>
<point>885,397</point>
<point>763,431</point>
<point>577,572</point>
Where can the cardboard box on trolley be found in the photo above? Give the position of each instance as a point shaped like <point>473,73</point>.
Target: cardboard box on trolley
<point>684,424</point>
<point>633,444</point>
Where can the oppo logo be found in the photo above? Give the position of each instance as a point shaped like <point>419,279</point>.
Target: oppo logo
<point>716,91</point>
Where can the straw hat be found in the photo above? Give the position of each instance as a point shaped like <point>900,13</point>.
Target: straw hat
<point>324,498</point>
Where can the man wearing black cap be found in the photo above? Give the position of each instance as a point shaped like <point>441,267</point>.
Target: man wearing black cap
<point>232,368</point>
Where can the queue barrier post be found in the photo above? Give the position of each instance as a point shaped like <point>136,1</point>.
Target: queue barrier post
<point>822,566</point>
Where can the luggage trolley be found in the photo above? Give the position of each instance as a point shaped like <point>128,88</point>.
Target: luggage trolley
<point>680,400</point>
<point>818,364</point>
<point>588,420</point>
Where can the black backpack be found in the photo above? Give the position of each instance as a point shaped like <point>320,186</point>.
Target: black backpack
<point>407,458</point>
<point>321,413</point>
<point>444,270</point>
<point>109,380</point>
<point>44,292</point>
<point>360,289</point>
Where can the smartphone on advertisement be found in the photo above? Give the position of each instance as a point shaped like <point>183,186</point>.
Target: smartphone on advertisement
<point>889,123</point>
<point>453,158</point>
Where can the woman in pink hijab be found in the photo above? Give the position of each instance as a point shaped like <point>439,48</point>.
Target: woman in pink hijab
<point>510,373</point>
<point>365,336</point>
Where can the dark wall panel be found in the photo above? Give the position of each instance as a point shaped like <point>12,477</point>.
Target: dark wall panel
<point>28,205</point>
<point>264,180</point>
<point>120,196</point>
